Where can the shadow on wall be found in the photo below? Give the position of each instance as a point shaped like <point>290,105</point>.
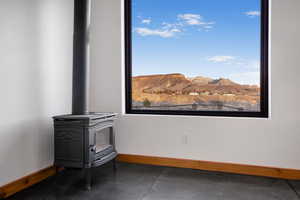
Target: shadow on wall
<point>35,81</point>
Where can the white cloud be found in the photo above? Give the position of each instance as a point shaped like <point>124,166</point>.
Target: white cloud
<point>247,64</point>
<point>253,65</point>
<point>146,21</point>
<point>166,25</point>
<point>195,20</point>
<point>221,59</point>
<point>191,19</point>
<point>249,74</point>
<point>248,70</point>
<point>208,27</point>
<point>236,61</point>
<point>165,33</point>
<point>249,78</point>
<point>167,30</point>
<point>252,14</point>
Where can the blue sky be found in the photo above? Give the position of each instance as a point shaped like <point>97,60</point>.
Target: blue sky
<point>213,38</point>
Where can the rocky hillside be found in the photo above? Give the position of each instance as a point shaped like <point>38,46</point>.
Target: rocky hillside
<point>178,89</point>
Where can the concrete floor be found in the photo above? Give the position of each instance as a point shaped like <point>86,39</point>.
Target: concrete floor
<point>143,182</point>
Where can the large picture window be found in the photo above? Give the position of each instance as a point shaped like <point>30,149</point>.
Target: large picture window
<point>197,57</point>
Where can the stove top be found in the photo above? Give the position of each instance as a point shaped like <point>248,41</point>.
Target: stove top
<point>91,115</point>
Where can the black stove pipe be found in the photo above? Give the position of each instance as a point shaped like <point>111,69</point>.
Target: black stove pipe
<point>81,53</point>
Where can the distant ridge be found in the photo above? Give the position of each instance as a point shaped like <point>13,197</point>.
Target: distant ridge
<point>159,75</point>
<point>201,80</point>
<point>223,81</point>
<point>196,79</point>
<point>177,88</point>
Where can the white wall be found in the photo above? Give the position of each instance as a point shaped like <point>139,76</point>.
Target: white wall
<point>35,84</point>
<point>266,142</point>
<point>35,81</point>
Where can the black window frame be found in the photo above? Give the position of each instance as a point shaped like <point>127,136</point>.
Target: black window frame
<point>264,73</point>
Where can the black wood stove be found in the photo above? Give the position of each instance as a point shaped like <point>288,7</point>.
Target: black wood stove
<point>75,138</point>
<point>75,135</point>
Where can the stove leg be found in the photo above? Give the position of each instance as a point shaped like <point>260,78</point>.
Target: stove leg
<point>88,179</point>
<point>114,165</point>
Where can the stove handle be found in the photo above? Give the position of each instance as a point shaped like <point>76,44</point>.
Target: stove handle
<point>93,148</point>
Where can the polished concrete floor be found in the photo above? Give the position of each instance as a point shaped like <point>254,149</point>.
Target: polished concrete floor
<point>143,182</point>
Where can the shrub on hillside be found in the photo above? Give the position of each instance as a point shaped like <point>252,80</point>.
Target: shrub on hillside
<point>147,103</point>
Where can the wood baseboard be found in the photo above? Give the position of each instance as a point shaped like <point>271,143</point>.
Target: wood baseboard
<point>27,181</point>
<point>292,174</point>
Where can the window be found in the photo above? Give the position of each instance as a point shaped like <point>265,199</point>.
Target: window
<point>197,57</point>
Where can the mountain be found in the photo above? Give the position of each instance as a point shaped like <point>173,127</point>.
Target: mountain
<point>176,89</point>
<point>167,83</point>
<point>201,80</point>
<point>223,82</point>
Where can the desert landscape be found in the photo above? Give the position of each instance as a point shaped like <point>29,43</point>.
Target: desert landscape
<point>178,92</point>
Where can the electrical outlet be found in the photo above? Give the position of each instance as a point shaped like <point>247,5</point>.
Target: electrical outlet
<point>185,139</point>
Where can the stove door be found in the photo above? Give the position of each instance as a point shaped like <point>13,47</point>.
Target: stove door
<point>69,146</point>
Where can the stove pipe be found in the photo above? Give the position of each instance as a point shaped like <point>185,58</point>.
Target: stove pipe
<point>81,53</point>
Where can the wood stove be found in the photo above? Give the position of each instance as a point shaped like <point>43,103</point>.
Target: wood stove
<point>75,134</point>
<point>76,145</point>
